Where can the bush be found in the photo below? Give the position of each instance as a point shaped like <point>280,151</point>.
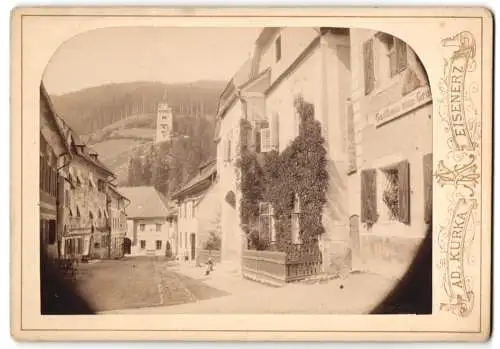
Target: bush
<point>256,242</point>
<point>213,243</point>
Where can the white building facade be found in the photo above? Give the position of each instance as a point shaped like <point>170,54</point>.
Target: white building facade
<point>194,216</point>
<point>290,62</point>
<point>147,225</point>
<point>390,152</point>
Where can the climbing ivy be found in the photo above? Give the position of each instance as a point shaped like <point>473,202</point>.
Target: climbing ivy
<point>277,177</point>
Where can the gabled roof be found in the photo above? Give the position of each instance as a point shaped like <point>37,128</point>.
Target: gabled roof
<point>53,116</point>
<point>145,202</point>
<point>242,75</point>
<point>197,184</point>
<point>115,190</point>
<point>82,150</point>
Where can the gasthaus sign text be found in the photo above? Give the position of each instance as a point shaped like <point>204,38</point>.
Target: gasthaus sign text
<point>414,99</point>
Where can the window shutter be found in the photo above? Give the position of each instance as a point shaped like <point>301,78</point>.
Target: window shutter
<point>257,141</point>
<point>265,136</point>
<point>275,131</point>
<point>369,196</point>
<point>369,66</point>
<point>393,62</point>
<point>404,191</point>
<point>427,160</point>
<point>402,59</point>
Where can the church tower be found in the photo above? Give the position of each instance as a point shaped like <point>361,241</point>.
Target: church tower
<point>164,121</point>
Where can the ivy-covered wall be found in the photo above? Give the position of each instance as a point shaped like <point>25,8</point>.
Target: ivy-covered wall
<point>276,178</point>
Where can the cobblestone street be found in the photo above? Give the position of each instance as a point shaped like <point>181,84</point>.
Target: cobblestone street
<point>186,290</point>
<point>138,282</point>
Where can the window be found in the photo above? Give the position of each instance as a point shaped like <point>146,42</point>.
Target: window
<point>100,185</point>
<point>266,221</point>
<point>104,241</point>
<point>277,45</point>
<point>158,227</point>
<point>265,142</point>
<point>142,227</point>
<point>77,211</point>
<point>296,219</point>
<point>395,193</point>
<point>91,215</point>
<point>185,239</point>
<point>79,245</point>
<point>194,211</point>
<point>67,199</point>
<point>143,244</point>
<point>391,193</point>
<point>158,244</point>
<point>79,180</point>
<point>369,66</point>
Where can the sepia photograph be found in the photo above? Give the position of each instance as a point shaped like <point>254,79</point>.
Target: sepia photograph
<point>161,194</point>
<point>257,169</point>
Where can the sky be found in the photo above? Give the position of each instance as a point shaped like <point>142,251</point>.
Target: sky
<point>168,55</point>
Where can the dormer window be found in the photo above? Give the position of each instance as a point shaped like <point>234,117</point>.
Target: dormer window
<point>277,45</point>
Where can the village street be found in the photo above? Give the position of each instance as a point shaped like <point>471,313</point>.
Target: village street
<point>155,286</point>
<point>138,282</point>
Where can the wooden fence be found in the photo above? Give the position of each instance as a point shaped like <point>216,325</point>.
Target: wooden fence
<point>277,267</point>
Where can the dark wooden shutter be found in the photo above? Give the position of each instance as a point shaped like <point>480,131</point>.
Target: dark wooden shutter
<point>404,191</point>
<point>393,63</point>
<point>369,67</point>
<point>402,58</point>
<point>427,168</point>
<point>369,196</point>
<point>52,231</point>
<point>257,140</point>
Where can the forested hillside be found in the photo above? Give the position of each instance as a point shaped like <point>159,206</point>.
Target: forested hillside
<point>119,120</point>
<point>91,109</point>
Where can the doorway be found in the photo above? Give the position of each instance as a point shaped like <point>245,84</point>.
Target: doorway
<point>127,246</point>
<point>193,246</point>
<point>168,250</point>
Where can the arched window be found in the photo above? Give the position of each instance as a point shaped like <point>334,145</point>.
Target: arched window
<point>91,215</point>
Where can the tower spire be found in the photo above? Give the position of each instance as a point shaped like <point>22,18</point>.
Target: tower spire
<point>165,95</point>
